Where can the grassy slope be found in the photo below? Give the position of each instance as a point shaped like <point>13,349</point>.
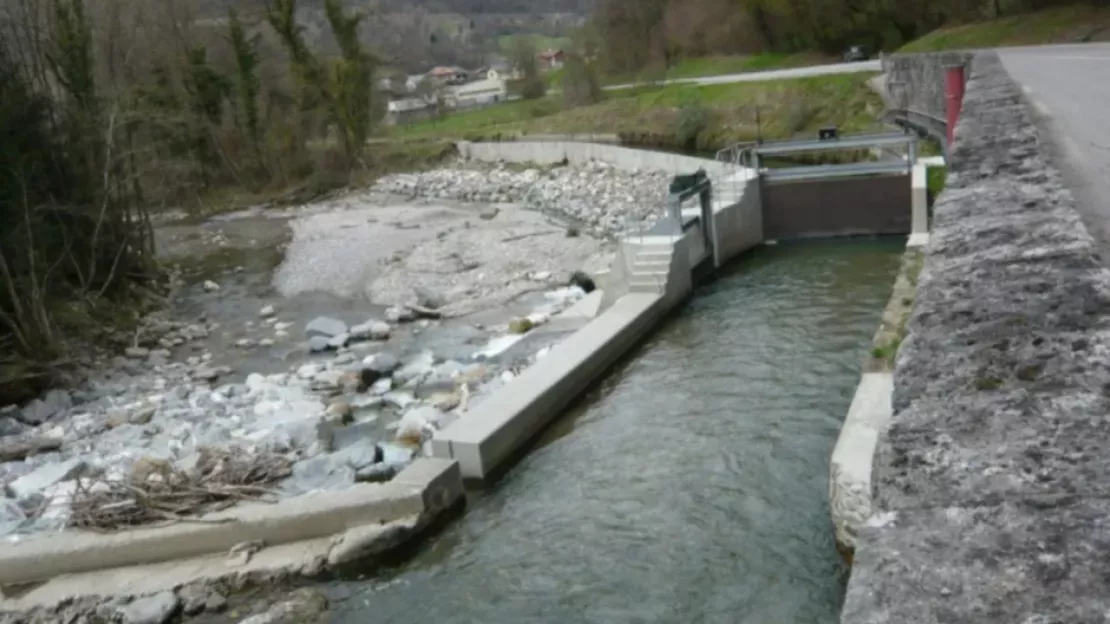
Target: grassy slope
<point>786,108</point>
<point>1062,25</point>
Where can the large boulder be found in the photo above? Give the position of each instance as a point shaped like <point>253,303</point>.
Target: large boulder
<point>325,326</point>
<point>49,406</point>
<point>156,609</point>
<point>583,281</point>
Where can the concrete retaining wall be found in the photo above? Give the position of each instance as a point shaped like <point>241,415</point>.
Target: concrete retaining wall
<point>497,428</point>
<point>991,483</point>
<point>837,207</point>
<point>577,153</point>
<point>737,219</point>
<point>427,486</point>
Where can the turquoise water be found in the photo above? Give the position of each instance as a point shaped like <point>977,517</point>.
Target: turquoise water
<point>690,486</point>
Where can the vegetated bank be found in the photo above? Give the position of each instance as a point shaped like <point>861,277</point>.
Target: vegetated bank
<point>114,117</point>
<point>690,117</point>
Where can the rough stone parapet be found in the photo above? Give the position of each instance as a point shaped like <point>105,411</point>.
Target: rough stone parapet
<point>922,80</point>
<point>991,484</point>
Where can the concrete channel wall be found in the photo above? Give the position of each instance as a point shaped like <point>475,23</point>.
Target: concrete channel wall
<point>991,483</point>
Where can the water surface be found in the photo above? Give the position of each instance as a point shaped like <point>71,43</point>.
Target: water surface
<point>690,486</point>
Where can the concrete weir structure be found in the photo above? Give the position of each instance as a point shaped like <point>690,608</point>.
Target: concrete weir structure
<point>990,484</point>
<point>651,275</point>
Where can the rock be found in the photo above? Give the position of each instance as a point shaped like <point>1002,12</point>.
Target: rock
<point>210,373</point>
<point>200,597</point>
<point>416,423</point>
<point>445,401</point>
<point>308,371</point>
<point>415,369</point>
<point>303,605</point>
<point>367,377</point>
<point>384,363</point>
<point>398,314</point>
<point>370,330</point>
<point>155,609</point>
<point>143,415</point>
<point>520,326</point>
<point>325,326</point>
<point>267,311</point>
<point>11,516</point>
<point>324,472</point>
<point>316,344</point>
<point>381,386</point>
<point>116,418</point>
<point>356,447</point>
<point>328,379</point>
<point>18,449</point>
<point>49,406</point>
<point>489,213</point>
<point>380,331</point>
<point>340,412</point>
<point>339,341</point>
<point>425,313</point>
<point>369,540</point>
<point>47,476</point>
<point>538,318</point>
<point>215,602</point>
<point>9,426</point>
<point>583,281</point>
<point>377,473</point>
<point>210,286</point>
<point>399,399</point>
<point>137,353</point>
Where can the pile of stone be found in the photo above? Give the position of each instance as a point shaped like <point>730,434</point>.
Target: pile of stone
<point>360,413</point>
<point>603,200</point>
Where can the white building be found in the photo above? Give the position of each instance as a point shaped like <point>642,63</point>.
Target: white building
<point>478,93</point>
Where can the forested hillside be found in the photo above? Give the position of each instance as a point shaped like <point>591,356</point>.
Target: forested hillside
<point>638,33</point>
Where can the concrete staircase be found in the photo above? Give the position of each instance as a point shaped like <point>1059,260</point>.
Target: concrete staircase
<point>650,267</point>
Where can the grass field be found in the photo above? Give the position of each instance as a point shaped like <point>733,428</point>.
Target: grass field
<point>1061,25</point>
<point>717,65</point>
<point>653,115</point>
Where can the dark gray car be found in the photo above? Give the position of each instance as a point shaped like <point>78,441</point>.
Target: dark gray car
<point>855,53</point>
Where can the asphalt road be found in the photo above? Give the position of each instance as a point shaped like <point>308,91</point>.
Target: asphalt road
<point>1068,87</point>
<point>775,74</point>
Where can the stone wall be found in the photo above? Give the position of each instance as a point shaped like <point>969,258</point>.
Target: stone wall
<point>991,483</point>
<point>916,81</point>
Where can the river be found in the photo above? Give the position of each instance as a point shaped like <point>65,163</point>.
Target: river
<point>690,486</point>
